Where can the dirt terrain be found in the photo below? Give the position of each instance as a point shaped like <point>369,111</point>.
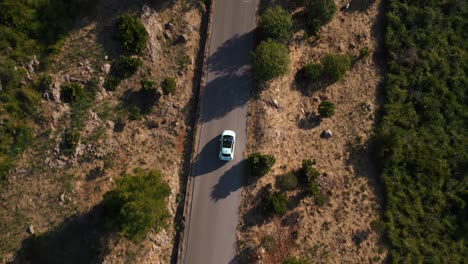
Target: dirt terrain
<point>57,195</point>
<point>281,122</point>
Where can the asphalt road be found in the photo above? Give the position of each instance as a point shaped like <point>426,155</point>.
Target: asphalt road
<point>211,227</point>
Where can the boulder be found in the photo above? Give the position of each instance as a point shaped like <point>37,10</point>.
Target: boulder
<point>327,133</point>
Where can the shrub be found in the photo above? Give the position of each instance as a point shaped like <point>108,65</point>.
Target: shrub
<point>269,242</point>
<point>43,83</point>
<point>71,138</point>
<point>364,53</point>
<point>168,85</point>
<point>308,172</point>
<point>111,83</point>
<point>260,164</point>
<point>287,181</point>
<point>335,66</point>
<point>147,85</point>
<point>378,226</point>
<point>132,33</point>
<point>294,260</point>
<point>320,12</point>
<point>270,60</point>
<point>326,109</point>
<point>275,204</point>
<point>313,188</point>
<point>71,92</point>
<point>276,23</point>
<point>125,67</point>
<point>137,204</point>
<point>312,71</point>
<point>322,199</point>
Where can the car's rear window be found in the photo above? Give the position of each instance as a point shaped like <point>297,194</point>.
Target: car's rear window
<point>225,155</point>
<point>227,141</point>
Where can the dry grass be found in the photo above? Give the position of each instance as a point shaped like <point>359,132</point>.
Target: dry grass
<point>338,232</point>
<point>47,187</point>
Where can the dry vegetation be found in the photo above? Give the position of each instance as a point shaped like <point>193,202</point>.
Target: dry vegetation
<point>281,123</point>
<point>56,193</point>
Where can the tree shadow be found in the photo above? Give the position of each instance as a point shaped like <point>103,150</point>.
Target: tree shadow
<point>79,239</point>
<point>309,121</point>
<point>229,78</point>
<point>255,216</point>
<point>95,173</point>
<point>142,99</point>
<point>229,182</point>
<point>207,159</point>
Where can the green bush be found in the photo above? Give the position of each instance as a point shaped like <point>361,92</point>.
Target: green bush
<point>44,83</point>
<point>132,33</point>
<point>422,131</point>
<point>137,204</point>
<point>276,23</point>
<point>287,181</point>
<point>169,85</point>
<point>125,67</point>
<point>313,189</point>
<point>364,53</point>
<point>270,60</point>
<point>260,164</point>
<point>269,243</point>
<point>71,138</point>
<point>322,199</point>
<point>275,204</point>
<point>320,12</point>
<point>294,260</point>
<point>312,71</point>
<point>111,83</point>
<point>147,86</point>
<point>335,66</point>
<point>71,92</point>
<point>326,109</point>
<point>308,172</point>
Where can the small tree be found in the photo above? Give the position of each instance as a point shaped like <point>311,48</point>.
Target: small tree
<point>312,71</point>
<point>71,92</point>
<point>335,66</point>
<point>125,67</point>
<point>169,85</point>
<point>137,204</point>
<point>275,204</point>
<point>260,164</point>
<point>276,23</point>
<point>309,173</point>
<point>270,60</point>
<point>132,33</point>
<point>287,181</point>
<point>320,12</point>
<point>326,109</point>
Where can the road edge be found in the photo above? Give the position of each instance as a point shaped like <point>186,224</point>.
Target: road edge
<point>190,185</point>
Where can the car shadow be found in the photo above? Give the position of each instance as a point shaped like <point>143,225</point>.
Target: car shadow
<point>207,159</point>
<point>230,181</point>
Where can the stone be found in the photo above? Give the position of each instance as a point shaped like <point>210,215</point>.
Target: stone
<point>62,197</point>
<point>169,26</point>
<point>106,68</point>
<point>327,133</point>
<point>106,57</point>
<point>182,39</point>
<point>30,229</point>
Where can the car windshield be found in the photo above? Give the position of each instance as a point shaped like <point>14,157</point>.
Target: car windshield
<point>227,141</point>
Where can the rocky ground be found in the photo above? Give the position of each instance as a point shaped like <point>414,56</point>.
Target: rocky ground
<point>281,123</point>
<point>51,193</point>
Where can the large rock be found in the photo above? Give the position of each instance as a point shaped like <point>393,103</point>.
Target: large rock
<point>149,18</point>
<point>327,133</point>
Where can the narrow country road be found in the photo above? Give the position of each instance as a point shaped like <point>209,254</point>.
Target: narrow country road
<point>209,235</point>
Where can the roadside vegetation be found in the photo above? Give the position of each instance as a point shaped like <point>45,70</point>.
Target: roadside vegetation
<point>423,131</point>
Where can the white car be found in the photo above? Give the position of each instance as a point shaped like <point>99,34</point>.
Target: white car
<point>226,146</point>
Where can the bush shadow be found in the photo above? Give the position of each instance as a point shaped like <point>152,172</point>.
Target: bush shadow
<point>309,121</point>
<point>307,87</point>
<point>229,78</point>
<point>229,182</point>
<point>143,100</point>
<point>207,159</point>
<point>79,239</point>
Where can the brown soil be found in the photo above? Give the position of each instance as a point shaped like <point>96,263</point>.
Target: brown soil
<point>338,232</point>
<point>54,192</point>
